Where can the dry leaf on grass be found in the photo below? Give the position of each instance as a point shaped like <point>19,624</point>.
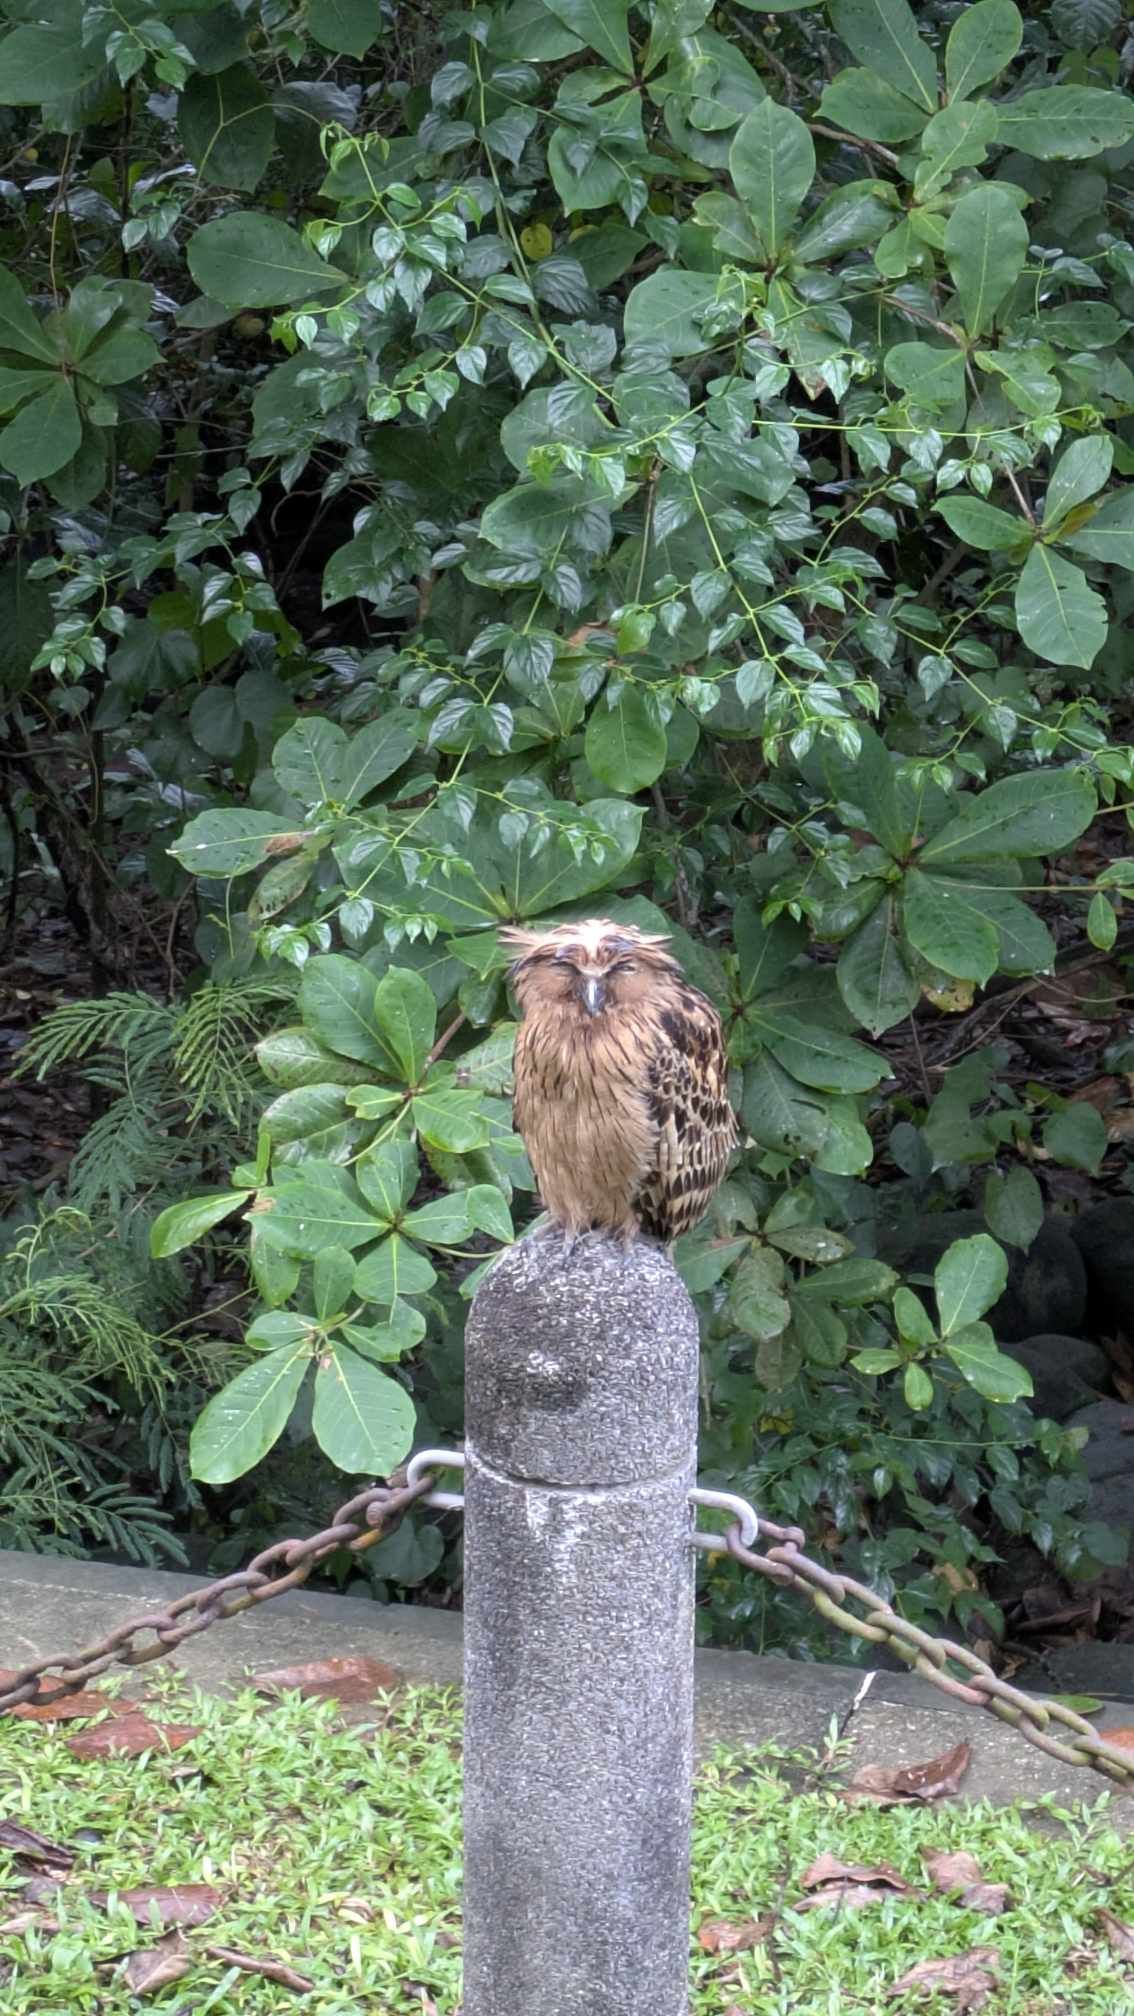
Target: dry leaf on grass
<point>130,1736</point>
<point>1119,1937</point>
<point>725,1935</point>
<point>969,1977</point>
<point>349,1679</point>
<point>174,1903</point>
<point>157,1966</point>
<point>902,1785</point>
<point>33,1847</point>
<point>68,1708</point>
<point>272,1970</point>
<point>960,1874</point>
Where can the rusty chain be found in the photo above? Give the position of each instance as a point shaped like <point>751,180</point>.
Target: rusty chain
<point>366,1519</point>
<point>829,1593</point>
<point>358,1524</point>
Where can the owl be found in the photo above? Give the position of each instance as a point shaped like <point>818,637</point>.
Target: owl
<point>621,1081</point>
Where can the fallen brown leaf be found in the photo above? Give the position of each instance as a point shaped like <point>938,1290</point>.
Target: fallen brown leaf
<point>896,1785</point>
<point>130,1736</point>
<point>725,1935</point>
<point>1123,1738</point>
<point>68,1708</point>
<point>1119,1937</point>
<point>348,1679</point>
<point>960,1874</point>
<point>174,1903</point>
<point>969,1977</point>
<point>272,1970</point>
<point>828,1869</point>
<point>33,1847</point>
<point>22,1922</point>
<point>157,1966</point>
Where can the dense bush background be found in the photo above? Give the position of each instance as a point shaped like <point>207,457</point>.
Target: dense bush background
<point>673,462</point>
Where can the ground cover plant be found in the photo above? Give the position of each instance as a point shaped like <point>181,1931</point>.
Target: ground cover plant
<point>331,1853</point>
<point>669,461</point>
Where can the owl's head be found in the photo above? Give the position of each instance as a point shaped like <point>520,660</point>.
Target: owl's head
<point>593,965</point>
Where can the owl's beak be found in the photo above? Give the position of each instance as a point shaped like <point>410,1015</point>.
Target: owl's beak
<point>594,994</point>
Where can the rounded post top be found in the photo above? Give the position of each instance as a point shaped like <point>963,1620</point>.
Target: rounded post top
<point>581,1362</point>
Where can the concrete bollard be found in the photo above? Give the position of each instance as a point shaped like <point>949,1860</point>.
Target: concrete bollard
<point>581,1426</point>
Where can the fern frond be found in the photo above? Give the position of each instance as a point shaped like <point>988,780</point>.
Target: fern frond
<point>213,1054</point>
<point>120,1020</point>
<point>123,1149</point>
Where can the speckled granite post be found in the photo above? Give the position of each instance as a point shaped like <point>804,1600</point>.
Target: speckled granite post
<point>581,1414</point>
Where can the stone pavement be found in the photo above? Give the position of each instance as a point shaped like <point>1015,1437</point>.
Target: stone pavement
<point>49,1605</point>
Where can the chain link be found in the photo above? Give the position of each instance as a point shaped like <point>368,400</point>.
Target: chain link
<point>366,1519</point>
<point>359,1524</point>
<point>830,1594</point>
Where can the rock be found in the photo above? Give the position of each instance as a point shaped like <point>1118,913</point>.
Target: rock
<point>1110,1450</point>
<point>1047,1285</point>
<point>1106,1669</point>
<point>1104,1235</point>
<point>1067,1372</point>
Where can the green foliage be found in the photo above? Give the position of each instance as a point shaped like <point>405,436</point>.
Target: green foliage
<point>710,434</point>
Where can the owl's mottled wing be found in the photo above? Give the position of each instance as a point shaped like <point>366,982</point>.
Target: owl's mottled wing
<point>688,1101</point>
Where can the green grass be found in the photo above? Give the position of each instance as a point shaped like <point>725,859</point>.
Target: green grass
<point>339,1853</point>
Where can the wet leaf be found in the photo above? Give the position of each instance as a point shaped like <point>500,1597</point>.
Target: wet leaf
<point>726,1935</point>
<point>898,1785</point>
<point>157,1966</point>
<point>130,1736</point>
<point>347,1679</point>
<point>969,1977</point>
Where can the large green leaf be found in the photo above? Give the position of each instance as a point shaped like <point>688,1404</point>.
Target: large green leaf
<point>346,26</point>
<point>337,997</point>
<point>866,104</point>
<point>1108,534</point>
<point>948,929</point>
<point>376,752</point>
<point>406,1015</point>
<point>1013,1206</point>
<point>883,35</point>
<point>983,39</point>
<point>874,978</point>
<point>625,745</point>
<point>994,1375</point>
<point>967,1280</point>
<point>242,1421</point>
<point>394,1268</point>
<point>227,127</point>
<point>249,260</point>
<point>19,328</point>
<point>933,374</point>
<point>183,1224</point>
<point>219,845</point>
<point>601,24</point>
<point>316,1204</point>
<point>44,435</point>
<point>983,525</point>
<point>1067,122</point>
<point>1081,470</point>
<point>1060,616</point>
<point>41,63</point>
<point>986,243</point>
<point>820,1057</point>
<point>663,311</point>
<point>308,758</point>
<point>362,1418</point>
<point>1040,812</point>
<point>772,163</point>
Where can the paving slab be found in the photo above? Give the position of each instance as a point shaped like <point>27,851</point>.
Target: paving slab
<point>53,1606</point>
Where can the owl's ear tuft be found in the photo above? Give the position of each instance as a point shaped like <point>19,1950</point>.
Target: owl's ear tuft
<point>518,943</point>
